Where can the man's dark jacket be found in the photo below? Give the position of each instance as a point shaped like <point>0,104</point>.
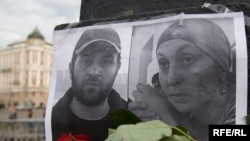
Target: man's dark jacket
<point>64,121</point>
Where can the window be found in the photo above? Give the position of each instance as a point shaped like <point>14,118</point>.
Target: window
<point>42,58</point>
<point>27,56</point>
<point>41,79</point>
<point>34,78</point>
<point>33,94</point>
<point>34,57</point>
<point>17,58</point>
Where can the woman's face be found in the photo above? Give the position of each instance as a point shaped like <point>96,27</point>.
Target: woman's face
<point>188,76</point>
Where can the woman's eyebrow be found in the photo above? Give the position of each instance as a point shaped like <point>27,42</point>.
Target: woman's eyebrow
<point>182,47</point>
<point>109,55</point>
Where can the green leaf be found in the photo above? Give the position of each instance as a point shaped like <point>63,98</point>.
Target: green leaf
<point>144,131</point>
<point>247,117</point>
<point>175,138</point>
<point>122,116</point>
<point>111,131</point>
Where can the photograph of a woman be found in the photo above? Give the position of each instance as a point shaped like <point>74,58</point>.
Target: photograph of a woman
<point>197,85</point>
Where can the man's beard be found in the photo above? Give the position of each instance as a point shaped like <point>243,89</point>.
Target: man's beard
<point>100,95</point>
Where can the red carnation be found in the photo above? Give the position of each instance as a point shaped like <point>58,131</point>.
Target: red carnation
<point>73,137</point>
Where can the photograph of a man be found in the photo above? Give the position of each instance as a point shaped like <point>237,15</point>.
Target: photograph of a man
<point>93,68</point>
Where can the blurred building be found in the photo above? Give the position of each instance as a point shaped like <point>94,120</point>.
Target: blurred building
<point>25,70</point>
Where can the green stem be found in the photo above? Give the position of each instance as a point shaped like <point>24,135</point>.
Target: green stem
<point>189,137</point>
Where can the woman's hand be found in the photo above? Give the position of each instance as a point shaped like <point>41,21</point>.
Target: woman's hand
<point>150,104</point>
<point>140,109</point>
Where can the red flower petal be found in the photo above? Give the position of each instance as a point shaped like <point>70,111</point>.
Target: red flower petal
<point>72,137</point>
<point>82,137</point>
<point>65,137</point>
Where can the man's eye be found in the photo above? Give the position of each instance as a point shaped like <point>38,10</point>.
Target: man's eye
<point>87,61</point>
<point>187,60</point>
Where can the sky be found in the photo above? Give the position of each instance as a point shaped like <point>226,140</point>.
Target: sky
<point>18,18</point>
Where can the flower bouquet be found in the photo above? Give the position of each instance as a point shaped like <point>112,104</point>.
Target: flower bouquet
<point>130,128</point>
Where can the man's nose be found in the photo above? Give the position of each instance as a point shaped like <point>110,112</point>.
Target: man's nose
<point>175,76</point>
<point>94,70</point>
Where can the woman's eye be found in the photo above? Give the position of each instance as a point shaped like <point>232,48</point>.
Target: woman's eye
<point>108,61</point>
<point>187,60</point>
<point>164,65</point>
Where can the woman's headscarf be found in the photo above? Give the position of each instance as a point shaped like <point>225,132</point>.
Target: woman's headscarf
<point>206,35</point>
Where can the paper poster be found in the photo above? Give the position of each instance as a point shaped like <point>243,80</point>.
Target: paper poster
<point>188,70</point>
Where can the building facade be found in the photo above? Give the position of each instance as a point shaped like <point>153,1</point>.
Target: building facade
<point>25,71</point>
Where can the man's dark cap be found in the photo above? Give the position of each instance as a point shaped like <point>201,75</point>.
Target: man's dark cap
<point>98,34</point>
